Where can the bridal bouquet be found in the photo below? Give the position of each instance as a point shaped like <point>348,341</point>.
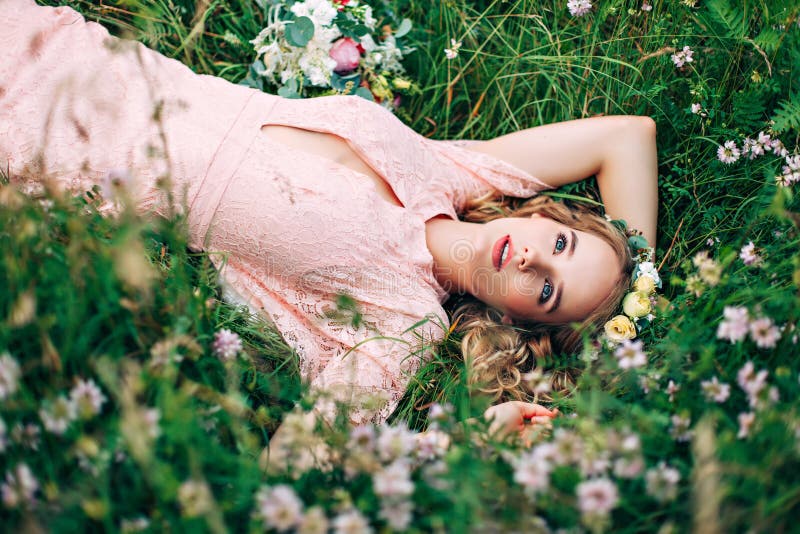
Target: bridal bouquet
<point>316,47</point>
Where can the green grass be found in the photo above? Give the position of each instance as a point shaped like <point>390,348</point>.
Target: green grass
<point>522,63</point>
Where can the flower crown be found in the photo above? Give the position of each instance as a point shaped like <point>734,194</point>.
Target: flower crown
<point>639,303</point>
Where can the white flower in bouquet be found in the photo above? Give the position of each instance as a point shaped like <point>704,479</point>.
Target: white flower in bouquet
<point>321,12</point>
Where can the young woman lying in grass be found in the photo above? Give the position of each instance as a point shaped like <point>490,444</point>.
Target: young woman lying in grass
<point>299,201</point>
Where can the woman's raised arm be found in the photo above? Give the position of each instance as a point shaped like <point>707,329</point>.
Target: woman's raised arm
<point>619,150</point>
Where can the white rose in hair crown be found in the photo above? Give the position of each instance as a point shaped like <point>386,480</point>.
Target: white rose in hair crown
<point>640,302</point>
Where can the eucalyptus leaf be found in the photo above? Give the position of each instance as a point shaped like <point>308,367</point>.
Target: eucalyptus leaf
<point>360,30</point>
<point>300,32</point>
<point>290,89</point>
<point>403,29</point>
<point>363,92</point>
<point>257,68</point>
<point>339,82</point>
<point>637,242</point>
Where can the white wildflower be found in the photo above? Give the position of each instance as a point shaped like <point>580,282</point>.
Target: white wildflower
<point>9,375</point>
<point>87,398</point>
<point>279,507</point>
<point>58,415</point>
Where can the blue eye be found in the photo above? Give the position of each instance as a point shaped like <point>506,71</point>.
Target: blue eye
<point>561,244</point>
<point>547,291</point>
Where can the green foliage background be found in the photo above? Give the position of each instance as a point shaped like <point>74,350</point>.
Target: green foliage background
<point>522,63</point>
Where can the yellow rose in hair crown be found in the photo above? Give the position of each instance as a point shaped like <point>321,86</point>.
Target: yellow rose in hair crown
<point>640,302</point>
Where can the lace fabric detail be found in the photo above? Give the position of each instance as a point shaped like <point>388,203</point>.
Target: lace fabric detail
<point>288,231</point>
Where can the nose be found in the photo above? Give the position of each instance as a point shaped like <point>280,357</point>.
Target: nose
<point>529,259</point>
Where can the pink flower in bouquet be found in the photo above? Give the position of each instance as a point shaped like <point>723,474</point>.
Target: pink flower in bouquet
<point>346,54</point>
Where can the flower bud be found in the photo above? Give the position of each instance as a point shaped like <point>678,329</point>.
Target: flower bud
<point>645,284</point>
<point>636,304</point>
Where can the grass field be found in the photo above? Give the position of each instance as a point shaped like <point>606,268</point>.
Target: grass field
<point>119,316</point>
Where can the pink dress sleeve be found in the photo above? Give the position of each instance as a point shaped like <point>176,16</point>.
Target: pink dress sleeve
<point>76,103</point>
<point>475,174</point>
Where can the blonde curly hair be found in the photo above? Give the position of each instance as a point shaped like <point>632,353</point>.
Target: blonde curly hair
<point>498,354</point>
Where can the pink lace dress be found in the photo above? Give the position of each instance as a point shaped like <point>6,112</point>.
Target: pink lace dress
<point>288,230</point>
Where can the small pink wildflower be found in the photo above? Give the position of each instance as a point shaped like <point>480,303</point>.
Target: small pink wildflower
<point>597,496</point>
<point>646,7</point>
<point>279,507</point>
<point>790,171</point>
<point>578,8</point>
<point>362,439</point>
<point>439,412</point>
<point>432,444</point>
<point>395,442</point>
<point>746,420</point>
<point>750,381</point>
<point>532,471</point>
<point>394,480</point>
<point>748,254</point>
<point>452,52</point>
<point>728,153</point>
<point>538,381</point>
<point>778,148</point>
<point>9,375</point>
<point>397,515</point>
<point>661,482</point>
<point>351,522</point>
<point>716,390</point>
<point>735,325</point>
<point>630,355</point>
<point>697,109</point>
<point>682,57</point>
<point>764,332</point>
<point>19,487</point>
<point>87,398</point>
<point>672,389</point>
<point>314,522</point>
<point>680,428</point>
<point>226,344</point>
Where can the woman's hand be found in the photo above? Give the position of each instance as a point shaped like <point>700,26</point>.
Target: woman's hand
<point>517,417</point>
<point>620,150</point>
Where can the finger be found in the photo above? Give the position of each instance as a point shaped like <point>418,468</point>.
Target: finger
<point>528,410</point>
<point>542,420</point>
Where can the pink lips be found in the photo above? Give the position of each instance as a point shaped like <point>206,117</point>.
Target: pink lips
<point>497,252</point>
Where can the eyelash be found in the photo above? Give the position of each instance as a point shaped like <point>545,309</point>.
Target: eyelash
<point>563,239</point>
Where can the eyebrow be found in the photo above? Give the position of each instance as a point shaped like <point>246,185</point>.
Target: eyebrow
<point>557,299</point>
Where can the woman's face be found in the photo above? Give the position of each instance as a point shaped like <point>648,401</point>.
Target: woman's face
<point>540,270</point>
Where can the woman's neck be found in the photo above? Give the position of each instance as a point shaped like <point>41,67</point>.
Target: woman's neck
<point>452,243</point>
